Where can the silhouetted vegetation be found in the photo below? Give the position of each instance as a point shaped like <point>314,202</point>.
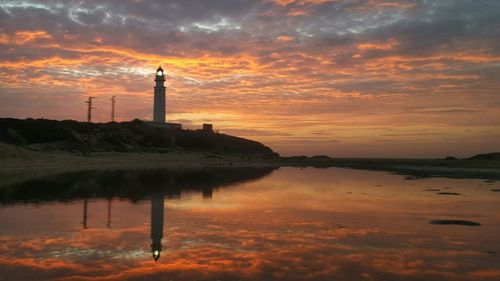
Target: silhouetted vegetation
<point>134,136</point>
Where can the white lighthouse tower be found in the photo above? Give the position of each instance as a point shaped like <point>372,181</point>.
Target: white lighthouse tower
<point>159,97</point>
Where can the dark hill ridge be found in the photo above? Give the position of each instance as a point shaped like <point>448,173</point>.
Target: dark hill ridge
<point>134,136</point>
<point>486,156</point>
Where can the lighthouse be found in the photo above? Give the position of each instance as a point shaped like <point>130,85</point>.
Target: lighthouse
<point>159,97</point>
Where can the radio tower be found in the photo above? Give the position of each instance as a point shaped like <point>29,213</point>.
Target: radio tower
<point>89,110</point>
<point>113,109</point>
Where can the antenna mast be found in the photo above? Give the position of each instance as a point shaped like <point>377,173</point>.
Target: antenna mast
<point>113,109</point>
<point>89,109</point>
<point>109,213</point>
<point>85,216</point>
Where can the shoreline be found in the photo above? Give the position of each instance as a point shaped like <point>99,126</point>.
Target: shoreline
<point>40,163</point>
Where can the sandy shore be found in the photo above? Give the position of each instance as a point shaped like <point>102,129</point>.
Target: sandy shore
<point>32,164</point>
<point>115,160</point>
<point>39,163</point>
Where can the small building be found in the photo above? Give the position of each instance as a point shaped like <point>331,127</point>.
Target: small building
<point>171,126</point>
<point>209,128</point>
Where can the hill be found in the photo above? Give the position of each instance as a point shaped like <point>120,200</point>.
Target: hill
<point>486,156</point>
<point>135,136</point>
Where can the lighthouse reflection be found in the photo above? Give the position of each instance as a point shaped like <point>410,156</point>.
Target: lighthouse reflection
<point>157,211</point>
<point>114,186</point>
<point>154,185</point>
<point>157,219</point>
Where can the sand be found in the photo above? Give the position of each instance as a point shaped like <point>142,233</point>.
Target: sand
<point>15,161</point>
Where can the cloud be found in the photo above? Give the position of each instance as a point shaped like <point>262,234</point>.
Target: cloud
<point>276,59</point>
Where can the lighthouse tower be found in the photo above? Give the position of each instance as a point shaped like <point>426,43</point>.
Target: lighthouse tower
<point>159,98</point>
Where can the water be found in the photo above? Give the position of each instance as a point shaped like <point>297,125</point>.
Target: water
<point>249,224</point>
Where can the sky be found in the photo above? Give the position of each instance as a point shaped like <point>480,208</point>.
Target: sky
<point>346,78</point>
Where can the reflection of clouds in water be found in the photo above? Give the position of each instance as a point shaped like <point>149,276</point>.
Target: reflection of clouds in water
<point>251,248</point>
<point>304,228</point>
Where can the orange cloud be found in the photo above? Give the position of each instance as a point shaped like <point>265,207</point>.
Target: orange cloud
<point>266,69</point>
<point>388,45</point>
<point>302,2</point>
<point>284,38</point>
<point>24,37</point>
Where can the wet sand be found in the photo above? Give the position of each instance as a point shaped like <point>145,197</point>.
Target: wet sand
<point>33,163</point>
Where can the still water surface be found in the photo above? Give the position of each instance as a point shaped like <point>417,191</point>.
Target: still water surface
<point>249,224</point>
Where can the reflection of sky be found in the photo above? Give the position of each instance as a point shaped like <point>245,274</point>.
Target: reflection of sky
<point>310,224</point>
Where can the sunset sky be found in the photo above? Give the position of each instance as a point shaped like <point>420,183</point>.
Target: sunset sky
<point>376,78</point>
